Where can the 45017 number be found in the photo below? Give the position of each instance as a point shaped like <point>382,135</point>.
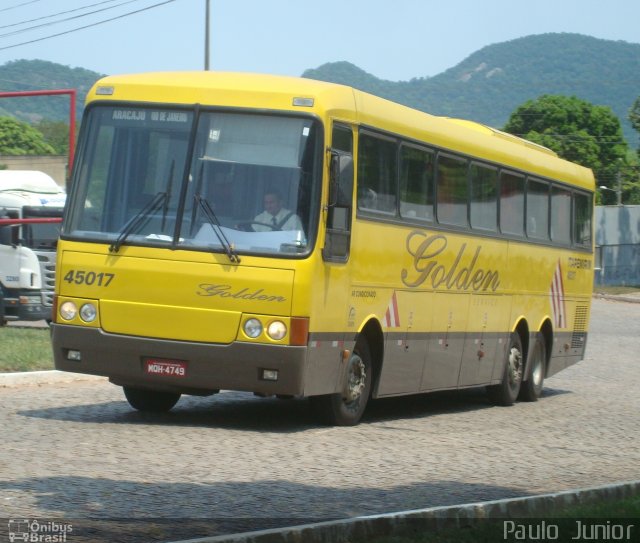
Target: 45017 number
<point>82,277</point>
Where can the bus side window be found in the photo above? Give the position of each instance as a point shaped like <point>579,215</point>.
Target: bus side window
<point>560,215</point>
<point>452,190</point>
<point>342,139</point>
<point>537,209</point>
<point>511,203</point>
<point>416,183</point>
<point>484,197</point>
<point>582,220</point>
<point>377,173</point>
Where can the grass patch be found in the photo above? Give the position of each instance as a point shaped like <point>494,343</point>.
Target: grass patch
<point>627,511</point>
<point>601,289</point>
<point>25,349</point>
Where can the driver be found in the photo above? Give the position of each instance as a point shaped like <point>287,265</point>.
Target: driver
<point>275,216</point>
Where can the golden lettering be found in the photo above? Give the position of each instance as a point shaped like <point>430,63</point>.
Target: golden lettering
<point>429,269</point>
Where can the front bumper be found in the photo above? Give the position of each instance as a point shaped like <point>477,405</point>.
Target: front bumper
<point>210,367</point>
<point>26,305</point>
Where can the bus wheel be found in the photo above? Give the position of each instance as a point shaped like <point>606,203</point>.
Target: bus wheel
<point>532,387</point>
<point>345,408</point>
<point>507,391</point>
<point>150,400</point>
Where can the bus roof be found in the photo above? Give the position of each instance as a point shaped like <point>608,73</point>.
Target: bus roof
<point>230,89</point>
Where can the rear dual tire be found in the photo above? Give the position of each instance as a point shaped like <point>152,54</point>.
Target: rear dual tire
<point>532,387</point>
<point>507,391</point>
<point>513,386</point>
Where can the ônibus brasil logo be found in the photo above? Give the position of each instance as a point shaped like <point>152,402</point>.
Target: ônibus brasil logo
<point>38,531</point>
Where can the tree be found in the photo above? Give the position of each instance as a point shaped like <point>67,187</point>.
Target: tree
<point>56,134</point>
<point>18,138</point>
<point>578,131</point>
<point>634,117</point>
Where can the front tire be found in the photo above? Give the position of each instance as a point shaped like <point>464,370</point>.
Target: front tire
<point>507,391</point>
<point>346,407</point>
<point>153,401</point>
<point>532,387</point>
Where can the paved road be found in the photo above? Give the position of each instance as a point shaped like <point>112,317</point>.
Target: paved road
<point>235,462</point>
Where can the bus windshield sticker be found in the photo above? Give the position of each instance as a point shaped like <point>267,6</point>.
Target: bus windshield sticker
<point>170,116</point>
<point>129,115</point>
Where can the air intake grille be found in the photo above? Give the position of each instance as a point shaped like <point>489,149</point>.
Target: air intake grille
<point>48,271</point>
<point>579,327</point>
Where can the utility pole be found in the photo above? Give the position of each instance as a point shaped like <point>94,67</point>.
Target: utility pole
<point>619,189</point>
<point>206,36</point>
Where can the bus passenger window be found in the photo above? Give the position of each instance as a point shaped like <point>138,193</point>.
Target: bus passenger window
<point>511,203</point>
<point>484,197</point>
<point>582,227</point>
<point>342,139</point>
<point>377,171</point>
<point>560,215</point>
<point>416,183</point>
<point>452,190</point>
<point>537,209</point>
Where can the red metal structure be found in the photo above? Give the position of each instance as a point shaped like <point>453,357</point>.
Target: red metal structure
<point>72,112</point>
<point>13,222</point>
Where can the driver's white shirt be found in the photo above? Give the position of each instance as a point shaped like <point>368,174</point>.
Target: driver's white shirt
<point>292,223</point>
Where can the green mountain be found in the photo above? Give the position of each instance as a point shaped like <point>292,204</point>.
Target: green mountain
<point>37,75</point>
<point>485,87</point>
<point>488,85</point>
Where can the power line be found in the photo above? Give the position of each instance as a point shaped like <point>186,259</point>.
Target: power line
<point>56,14</point>
<point>19,5</point>
<point>63,20</point>
<point>23,84</point>
<point>86,26</point>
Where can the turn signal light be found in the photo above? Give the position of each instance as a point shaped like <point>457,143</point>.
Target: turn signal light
<point>299,333</point>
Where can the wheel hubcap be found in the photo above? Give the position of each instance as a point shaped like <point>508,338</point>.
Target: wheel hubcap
<point>515,367</point>
<point>356,379</point>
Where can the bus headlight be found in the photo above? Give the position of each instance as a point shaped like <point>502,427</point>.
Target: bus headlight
<point>88,312</point>
<point>252,327</point>
<point>68,311</point>
<point>277,330</point>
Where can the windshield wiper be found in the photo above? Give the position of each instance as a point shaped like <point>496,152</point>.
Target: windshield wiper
<point>165,207</point>
<point>138,220</point>
<point>144,215</point>
<point>217,228</point>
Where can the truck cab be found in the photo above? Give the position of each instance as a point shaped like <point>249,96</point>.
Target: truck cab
<point>31,206</point>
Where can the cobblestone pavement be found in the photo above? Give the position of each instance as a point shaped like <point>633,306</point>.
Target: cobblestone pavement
<point>235,462</point>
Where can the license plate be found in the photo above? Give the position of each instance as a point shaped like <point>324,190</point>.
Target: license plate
<point>165,368</point>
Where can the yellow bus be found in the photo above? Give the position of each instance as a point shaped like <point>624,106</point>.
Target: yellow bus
<point>296,238</point>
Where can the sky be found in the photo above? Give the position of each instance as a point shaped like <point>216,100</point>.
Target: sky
<point>391,39</point>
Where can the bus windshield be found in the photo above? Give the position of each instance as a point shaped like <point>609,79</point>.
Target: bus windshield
<point>220,181</point>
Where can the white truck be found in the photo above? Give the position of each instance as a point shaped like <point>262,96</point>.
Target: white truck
<point>31,205</point>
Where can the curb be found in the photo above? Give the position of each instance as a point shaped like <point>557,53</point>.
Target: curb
<point>432,519</point>
<point>618,298</point>
<point>8,380</point>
